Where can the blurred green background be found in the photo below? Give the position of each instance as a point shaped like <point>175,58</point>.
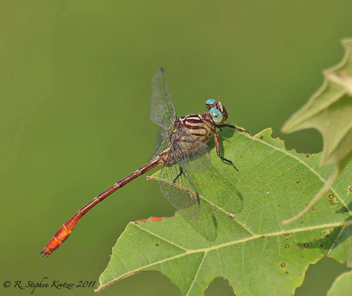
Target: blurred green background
<point>75,85</point>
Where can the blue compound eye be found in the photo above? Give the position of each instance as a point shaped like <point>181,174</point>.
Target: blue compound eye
<point>209,102</point>
<point>216,115</point>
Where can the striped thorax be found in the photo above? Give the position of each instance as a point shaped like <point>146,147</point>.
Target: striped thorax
<point>197,126</point>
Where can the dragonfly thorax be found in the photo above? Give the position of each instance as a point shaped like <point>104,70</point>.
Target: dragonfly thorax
<point>195,125</point>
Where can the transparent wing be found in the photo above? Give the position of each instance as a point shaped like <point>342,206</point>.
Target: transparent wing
<point>162,142</point>
<point>180,191</point>
<point>162,110</point>
<point>190,153</point>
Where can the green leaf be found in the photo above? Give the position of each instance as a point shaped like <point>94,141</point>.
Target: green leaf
<point>251,248</point>
<point>329,111</point>
<point>342,285</point>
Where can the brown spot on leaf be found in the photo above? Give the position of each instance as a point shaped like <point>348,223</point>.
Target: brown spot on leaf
<point>154,219</point>
<point>283,265</point>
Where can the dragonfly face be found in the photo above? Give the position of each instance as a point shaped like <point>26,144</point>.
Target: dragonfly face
<point>217,111</point>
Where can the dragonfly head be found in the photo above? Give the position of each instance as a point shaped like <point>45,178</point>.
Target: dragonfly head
<point>217,111</point>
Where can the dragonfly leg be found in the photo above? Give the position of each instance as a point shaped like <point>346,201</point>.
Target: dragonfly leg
<point>217,144</point>
<point>181,172</point>
<point>240,129</point>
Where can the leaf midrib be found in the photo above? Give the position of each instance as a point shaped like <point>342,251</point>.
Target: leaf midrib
<point>243,240</point>
<point>187,252</point>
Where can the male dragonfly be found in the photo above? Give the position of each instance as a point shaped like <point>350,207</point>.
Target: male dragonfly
<point>181,148</point>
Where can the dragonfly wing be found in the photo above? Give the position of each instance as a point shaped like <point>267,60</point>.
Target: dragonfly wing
<point>162,142</point>
<point>162,110</point>
<point>180,191</point>
<point>190,153</point>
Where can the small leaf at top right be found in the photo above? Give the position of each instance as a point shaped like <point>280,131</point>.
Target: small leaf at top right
<point>329,111</point>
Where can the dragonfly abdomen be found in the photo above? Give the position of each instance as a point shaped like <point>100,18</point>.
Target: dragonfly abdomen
<point>66,229</point>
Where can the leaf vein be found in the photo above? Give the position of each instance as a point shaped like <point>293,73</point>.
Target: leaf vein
<point>305,164</point>
<point>196,275</point>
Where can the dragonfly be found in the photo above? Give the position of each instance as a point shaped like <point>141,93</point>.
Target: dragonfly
<point>181,149</point>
